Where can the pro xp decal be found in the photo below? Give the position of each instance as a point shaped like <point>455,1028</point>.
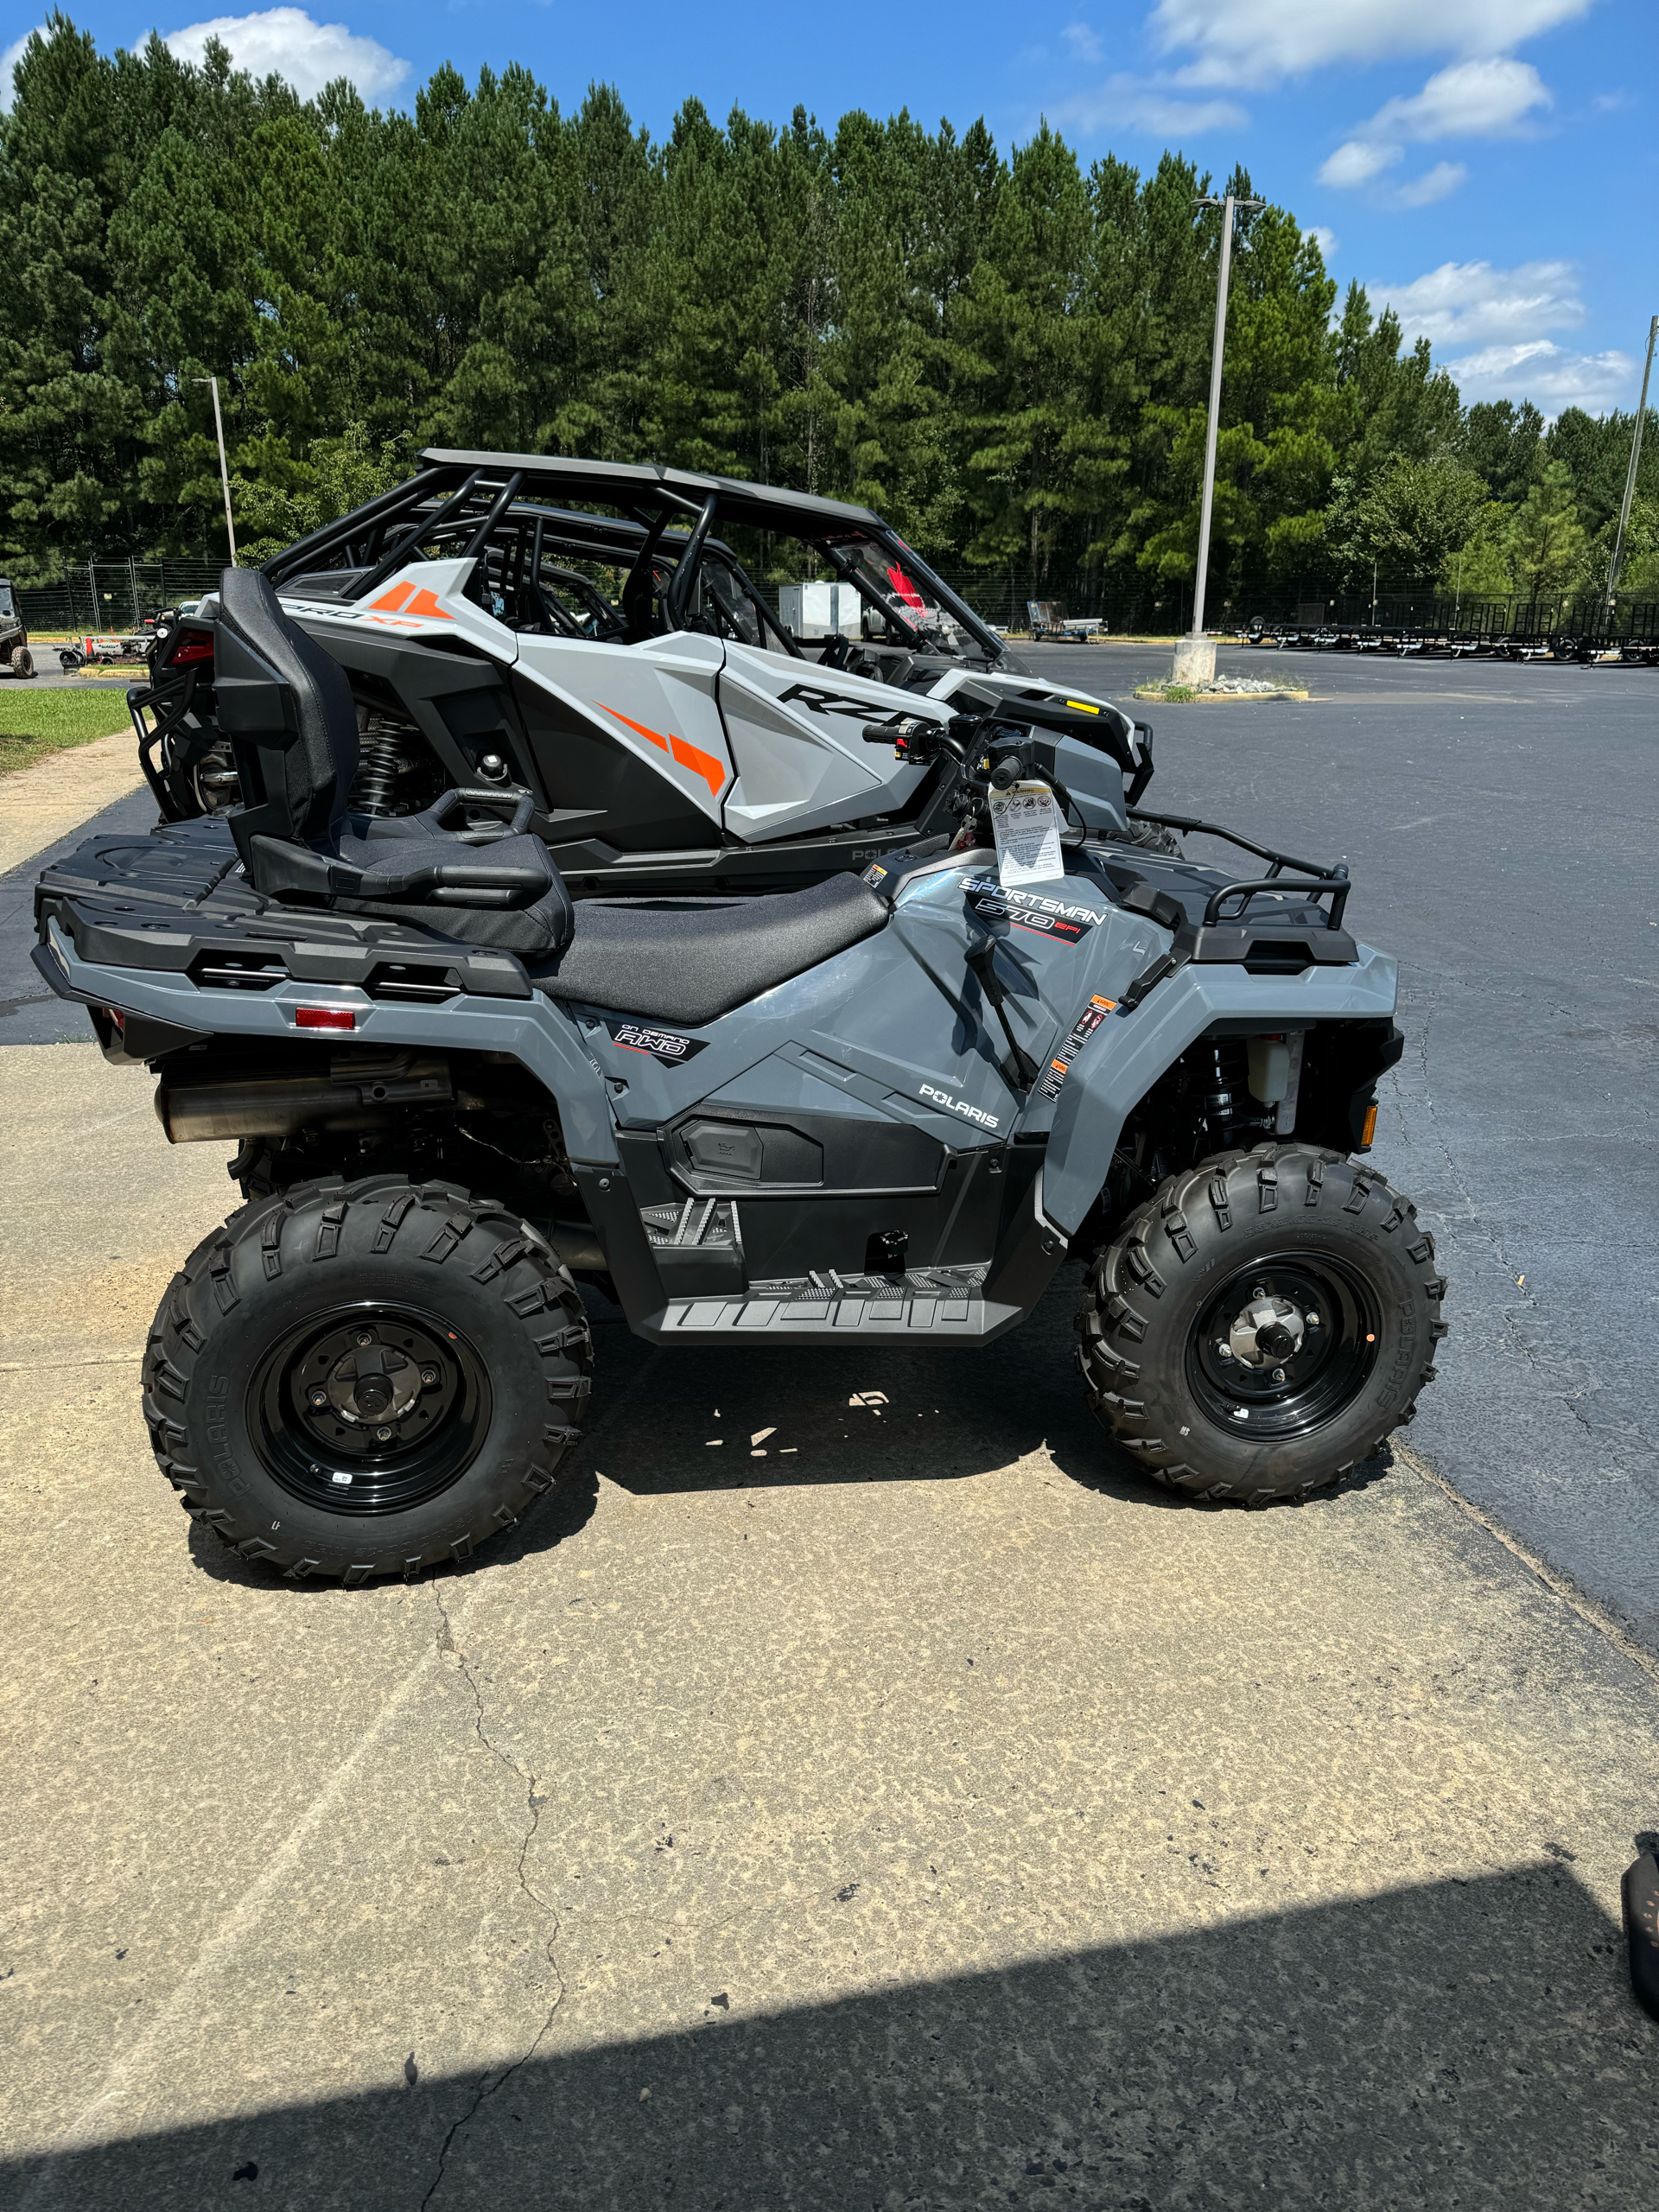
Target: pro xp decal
<point>1077,1037</point>
<point>662,1044</point>
<point>1029,910</point>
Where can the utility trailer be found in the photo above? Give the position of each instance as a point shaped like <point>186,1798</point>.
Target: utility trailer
<point>109,649</point>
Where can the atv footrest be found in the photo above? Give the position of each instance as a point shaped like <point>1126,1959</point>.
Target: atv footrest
<point>830,1307</point>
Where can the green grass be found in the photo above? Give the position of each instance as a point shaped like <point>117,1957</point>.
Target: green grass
<point>35,722</point>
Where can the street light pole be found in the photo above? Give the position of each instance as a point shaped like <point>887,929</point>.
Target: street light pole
<point>1195,656</point>
<point>1618,561</point>
<point>224,466</point>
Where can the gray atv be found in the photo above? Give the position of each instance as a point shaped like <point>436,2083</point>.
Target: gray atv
<point>889,1106</point>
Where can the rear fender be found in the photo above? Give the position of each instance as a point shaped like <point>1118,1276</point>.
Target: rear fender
<point>1126,1056</point>
<point>540,1035</point>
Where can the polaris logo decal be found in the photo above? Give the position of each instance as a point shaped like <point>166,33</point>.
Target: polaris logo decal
<point>1055,919</point>
<point>662,1044</point>
<point>959,1106</point>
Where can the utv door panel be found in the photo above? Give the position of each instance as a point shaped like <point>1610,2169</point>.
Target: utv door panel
<point>630,749</point>
<point>797,735</point>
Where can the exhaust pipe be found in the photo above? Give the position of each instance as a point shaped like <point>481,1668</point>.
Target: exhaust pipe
<point>359,1092</point>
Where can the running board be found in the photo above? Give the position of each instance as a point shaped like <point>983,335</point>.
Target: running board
<point>947,1305</point>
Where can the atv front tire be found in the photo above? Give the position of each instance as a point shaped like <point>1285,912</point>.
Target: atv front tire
<point>1261,1324</point>
<point>357,1379</point>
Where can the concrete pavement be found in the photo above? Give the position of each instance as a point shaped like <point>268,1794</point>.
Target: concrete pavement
<point>894,1802</point>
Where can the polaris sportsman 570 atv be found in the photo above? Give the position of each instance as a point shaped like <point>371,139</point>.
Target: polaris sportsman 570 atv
<point>586,634</point>
<point>886,1107</point>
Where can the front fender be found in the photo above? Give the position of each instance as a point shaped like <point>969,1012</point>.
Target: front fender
<point>1125,1056</point>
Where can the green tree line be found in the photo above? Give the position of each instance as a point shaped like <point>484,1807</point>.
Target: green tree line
<point>1009,354</point>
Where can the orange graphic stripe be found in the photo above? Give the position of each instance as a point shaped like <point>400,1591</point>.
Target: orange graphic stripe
<point>712,770</point>
<point>398,601</point>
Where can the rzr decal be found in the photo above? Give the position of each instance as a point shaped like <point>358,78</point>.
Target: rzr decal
<point>1077,1037</point>
<point>1054,918</point>
<point>701,764</point>
<point>662,1044</point>
<point>816,700</point>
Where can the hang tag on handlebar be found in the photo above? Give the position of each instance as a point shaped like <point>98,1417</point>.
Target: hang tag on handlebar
<point>1026,824</point>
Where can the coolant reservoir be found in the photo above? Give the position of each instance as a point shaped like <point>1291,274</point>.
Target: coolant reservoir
<point>1269,1058</point>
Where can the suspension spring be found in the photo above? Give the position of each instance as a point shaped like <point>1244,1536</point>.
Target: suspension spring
<point>379,762</point>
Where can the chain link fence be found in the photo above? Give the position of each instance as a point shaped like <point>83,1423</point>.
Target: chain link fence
<point>109,596</point>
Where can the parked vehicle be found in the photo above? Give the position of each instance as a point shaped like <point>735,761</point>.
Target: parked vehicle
<point>884,1107</point>
<point>14,654</point>
<point>590,636</point>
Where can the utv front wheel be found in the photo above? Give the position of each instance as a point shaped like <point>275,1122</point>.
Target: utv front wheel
<point>1262,1324</point>
<point>357,1379</point>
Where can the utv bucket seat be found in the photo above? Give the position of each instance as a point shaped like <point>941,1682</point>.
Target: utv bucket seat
<point>287,708</point>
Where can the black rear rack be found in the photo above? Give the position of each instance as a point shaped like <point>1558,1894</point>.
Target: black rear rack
<point>1312,882</point>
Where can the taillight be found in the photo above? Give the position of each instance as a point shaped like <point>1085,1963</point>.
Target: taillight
<point>191,649</point>
<point>325,1017</point>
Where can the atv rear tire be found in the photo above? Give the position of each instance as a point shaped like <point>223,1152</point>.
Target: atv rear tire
<point>1282,1254</point>
<point>357,1379</point>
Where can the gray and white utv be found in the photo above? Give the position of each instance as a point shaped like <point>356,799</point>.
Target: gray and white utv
<point>882,1109</point>
<point>590,635</point>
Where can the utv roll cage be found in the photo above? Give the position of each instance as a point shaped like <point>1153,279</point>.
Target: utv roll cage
<point>509,512</point>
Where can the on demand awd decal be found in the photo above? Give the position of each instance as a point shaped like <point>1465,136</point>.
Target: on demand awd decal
<point>662,1044</point>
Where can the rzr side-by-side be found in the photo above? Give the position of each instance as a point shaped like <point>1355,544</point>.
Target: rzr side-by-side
<point>588,635</point>
<point>884,1107</point>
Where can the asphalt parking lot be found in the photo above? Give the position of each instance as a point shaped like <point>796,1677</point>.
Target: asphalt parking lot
<point>864,1790</point>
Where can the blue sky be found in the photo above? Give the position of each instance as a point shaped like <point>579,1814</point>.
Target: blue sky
<point>1490,166</point>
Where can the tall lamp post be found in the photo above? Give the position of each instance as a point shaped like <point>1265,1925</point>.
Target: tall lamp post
<point>1618,561</point>
<point>224,466</point>
<point>1195,654</point>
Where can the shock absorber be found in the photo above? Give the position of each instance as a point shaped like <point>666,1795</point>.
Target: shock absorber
<point>380,762</point>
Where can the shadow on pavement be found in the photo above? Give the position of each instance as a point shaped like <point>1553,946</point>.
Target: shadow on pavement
<point>1467,2042</point>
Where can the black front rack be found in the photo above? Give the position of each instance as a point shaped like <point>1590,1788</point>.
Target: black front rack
<point>1311,881</point>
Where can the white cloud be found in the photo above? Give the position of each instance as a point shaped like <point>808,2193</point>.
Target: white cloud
<point>1501,316</point>
<point>1547,375</point>
<point>1357,162</point>
<point>1262,41</point>
<point>9,60</point>
<point>287,41</point>
<point>1325,238</point>
<point>1083,41</point>
<point>1124,102</point>
<point>1433,184</point>
<point>1480,99</point>
<point>1471,100</point>
<point>1465,302</point>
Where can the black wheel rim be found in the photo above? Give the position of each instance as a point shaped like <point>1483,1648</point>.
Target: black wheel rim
<point>1316,1353</point>
<point>369,1409</point>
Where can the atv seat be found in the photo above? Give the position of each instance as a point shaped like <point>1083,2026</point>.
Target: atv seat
<point>687,962</point>
<point>286,709</point>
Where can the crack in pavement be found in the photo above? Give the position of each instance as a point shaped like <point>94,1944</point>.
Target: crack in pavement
<point>489,2085</point>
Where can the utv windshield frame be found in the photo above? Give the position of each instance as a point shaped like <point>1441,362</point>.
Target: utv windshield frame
<point>506,510</point>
